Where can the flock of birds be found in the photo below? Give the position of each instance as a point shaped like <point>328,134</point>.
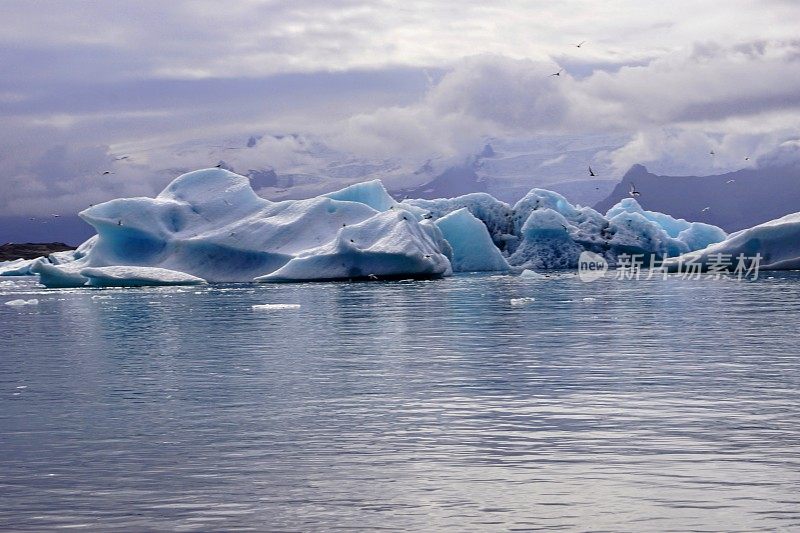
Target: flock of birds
<point>632,191</point>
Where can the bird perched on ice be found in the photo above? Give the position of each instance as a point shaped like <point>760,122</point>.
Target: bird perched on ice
<point>633,192</point>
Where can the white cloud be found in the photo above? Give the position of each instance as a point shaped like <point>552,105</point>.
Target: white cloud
<point>90,74</point>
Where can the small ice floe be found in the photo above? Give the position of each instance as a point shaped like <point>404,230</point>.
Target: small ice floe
<point>32,301</point>
<point>530,274</point>
<point>275,307</point>
<point>7,284</point>
<point>589,299</point>
<point>522,301</point>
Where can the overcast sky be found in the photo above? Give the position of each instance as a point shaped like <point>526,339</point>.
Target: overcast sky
<point>85,80</point>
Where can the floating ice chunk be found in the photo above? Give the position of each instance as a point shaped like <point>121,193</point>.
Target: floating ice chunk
<point>522,301</point>
<point>530,274</point>
<point>275,307</point>
<point>59,276</point>
<point>473,249</point>
<point>32,301</point>
<point>589,299</point>
<point>17,267</point>
<point>133,276</point>
<point>388,245</point>
<point>777,242</point>
<point>210,224</point>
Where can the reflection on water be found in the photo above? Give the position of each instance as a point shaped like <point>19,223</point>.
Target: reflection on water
<point>651,405</point>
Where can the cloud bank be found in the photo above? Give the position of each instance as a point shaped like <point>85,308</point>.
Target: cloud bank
<point>86,82</point>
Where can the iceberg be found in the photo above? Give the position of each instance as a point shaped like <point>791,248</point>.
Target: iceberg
<point>473,249</point>
<point>695,235</point>
<point>777,242</point>
<point>210,226</point>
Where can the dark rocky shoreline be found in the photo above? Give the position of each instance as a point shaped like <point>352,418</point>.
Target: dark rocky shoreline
<point>31,250</point>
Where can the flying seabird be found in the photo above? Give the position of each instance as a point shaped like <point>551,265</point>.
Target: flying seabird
<point>579,44</point>
<point>730,181</point>
<point>633,192</point>
<point>56,216</point>
<point>712,152</point>
<point>372,277</point>
<point>591,172</point>
<point>121,158</point>
<point>704,209</point>
<point>747,159</point>
<point>106,173</point>
<point>557,73</point>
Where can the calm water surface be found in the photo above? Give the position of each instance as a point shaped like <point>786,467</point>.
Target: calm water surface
<point>615,405</point>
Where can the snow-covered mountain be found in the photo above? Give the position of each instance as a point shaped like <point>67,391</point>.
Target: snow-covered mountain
<point>290,166</point>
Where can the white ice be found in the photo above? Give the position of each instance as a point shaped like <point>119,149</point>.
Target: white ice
<point>473,249</point>
<point>32,301</point>
<point>130,276</point>
<point>777,242</point>
<point>210,225</point>
<point>275,307</point>
<point>17,267</point>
